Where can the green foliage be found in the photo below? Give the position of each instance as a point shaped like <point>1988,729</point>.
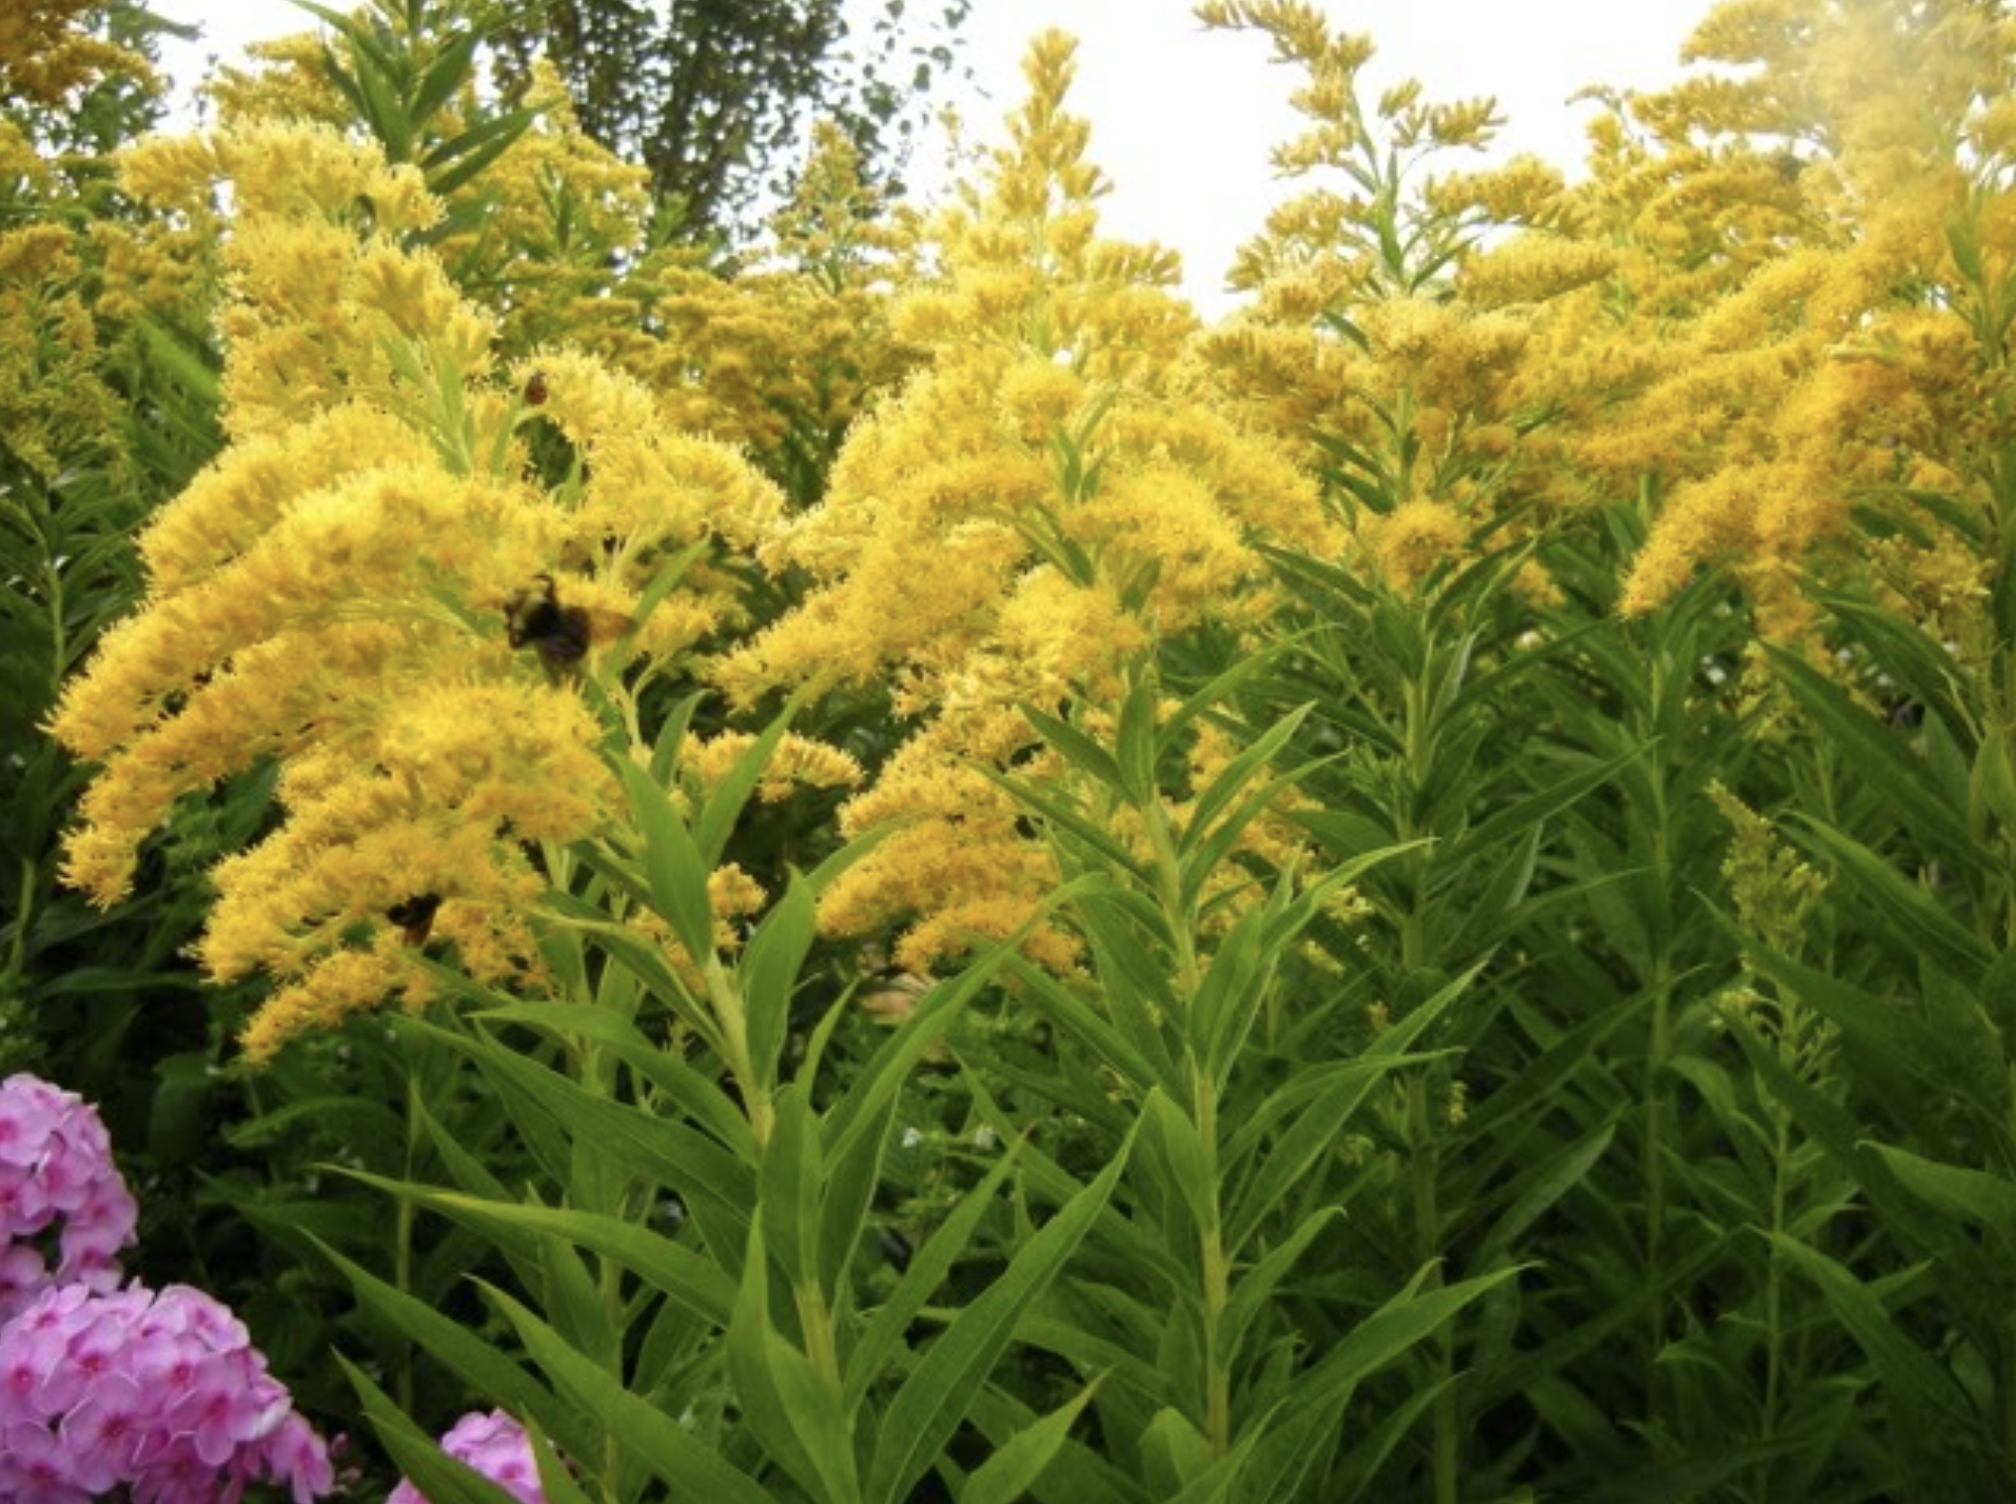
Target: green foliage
<point>1545,1054</point>
<point>713,98</point>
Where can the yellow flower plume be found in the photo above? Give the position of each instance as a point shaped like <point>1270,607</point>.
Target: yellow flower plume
<point>1040,504</point>
<point>331,595</point>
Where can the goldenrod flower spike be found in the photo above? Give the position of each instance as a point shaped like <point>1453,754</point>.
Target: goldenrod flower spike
<point>1045,501</point>
<point>329,594</point>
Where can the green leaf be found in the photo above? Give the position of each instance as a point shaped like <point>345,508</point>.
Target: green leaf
<point>1330,1112</point>
<point>637,1141</point>
<point>1077,1017</point>
<point>1917,917</point>
<point>1219,690</point>
<point>1517,819</point>
<point>861,1109</point>
<point>1135,740</point>
<point>678,1457</point>
<point>440,1478</point>
<point>643,959</point>
<point>851,1184</point>
<point>768,975</point>
<point>1936,1429</point>
<point>476,148</point>
<point>694,1094</point>
<point>1177,1138</point>
<point>451,66</point>
<point>1879,757</point>
<point>1078,749</point>
<point>1965,1195</point>
<point>484,1368</point>
<point>1174,1453</point>
<point>694,1281</point>
<point>1231,990</point>
<point>928,1270</point>
<point>672,862</point>
<point>790,1188</point>
<point>672,737</point>
<point>556,1478</point>
<point>1017,1464</point>
<point>725,802</point>
<point>1687,1479</point>
<point>1894,1032</point>
<point>1541,1188</point>
<point>1409,1317</point>
<point>1287,1462</point>
<point>1076,1475</point>
<point>1206,856</point>
<point>1919,665</point>
<point>1064,817</point>
<point>796,1416</point>
<point>933,1399</point>
<point>1252,1290</point>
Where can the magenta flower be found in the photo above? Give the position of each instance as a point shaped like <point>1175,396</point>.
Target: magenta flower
<point>160,1393</point>
<point>497,1447</point>
<point>57,1175</point>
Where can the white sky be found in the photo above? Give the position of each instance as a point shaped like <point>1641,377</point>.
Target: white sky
<point>1182,120</point>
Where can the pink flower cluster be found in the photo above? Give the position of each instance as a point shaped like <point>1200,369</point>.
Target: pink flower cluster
<point>163,1393</point>
<point>103,1388</point>
<point>58,1186</point>
<point>497,1447</point>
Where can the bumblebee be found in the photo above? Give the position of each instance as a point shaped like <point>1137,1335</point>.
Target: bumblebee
<point>415,916</point>
<point>561,635</point>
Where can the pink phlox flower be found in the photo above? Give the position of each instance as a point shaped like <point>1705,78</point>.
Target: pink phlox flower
<point>178,1476</point>
<point>110,1433</point>
<point>293,1451</point>
<point>495,1445</point>
<point>221,1412</point>
<point>162,1393</point>
<point>35,1468</point>
<point>29,1108</point>
<point>56,1167</point>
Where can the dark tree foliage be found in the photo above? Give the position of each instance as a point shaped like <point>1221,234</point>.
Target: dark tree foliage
<point>716,97</point>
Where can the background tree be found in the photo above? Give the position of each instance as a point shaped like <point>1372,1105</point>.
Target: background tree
<point>716,97</point>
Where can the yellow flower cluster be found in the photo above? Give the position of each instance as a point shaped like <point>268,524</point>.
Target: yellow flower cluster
<point>779,355</point>
<point>797,763</point>
<point>55,408</point>
<point>45,55</point>
<point>1812,373</point>
<point>333,592</point>
<point>1039,505</point>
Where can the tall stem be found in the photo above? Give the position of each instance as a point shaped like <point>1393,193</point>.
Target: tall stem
<point>1659,1125</point>
<point>1425,1173</point>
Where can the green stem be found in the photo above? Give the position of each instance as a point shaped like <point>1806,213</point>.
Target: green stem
<point>1774,1297</point>
<point>1426,1171</point>
<point>820,1347</point>
<point>726,1000</point>
<point>1659,1123</point>
<point>59,638</point>
<point>1216,1269</point>
<point>402,1242</point>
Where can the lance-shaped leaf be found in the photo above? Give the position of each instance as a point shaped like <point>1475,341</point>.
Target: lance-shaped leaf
<point>791,1410</point>
<point>679,1457</point>
<point>440,1478</point>
<point>1017,1463</point>
<point>672,861</point>
<point>934,1398</point>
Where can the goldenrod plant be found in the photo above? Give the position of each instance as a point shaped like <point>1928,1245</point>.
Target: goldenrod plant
<point>897,872</point>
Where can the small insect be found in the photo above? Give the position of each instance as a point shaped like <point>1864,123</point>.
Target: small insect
<point>535,388</point>
<point>560,635</point>
<point>415,916</point>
